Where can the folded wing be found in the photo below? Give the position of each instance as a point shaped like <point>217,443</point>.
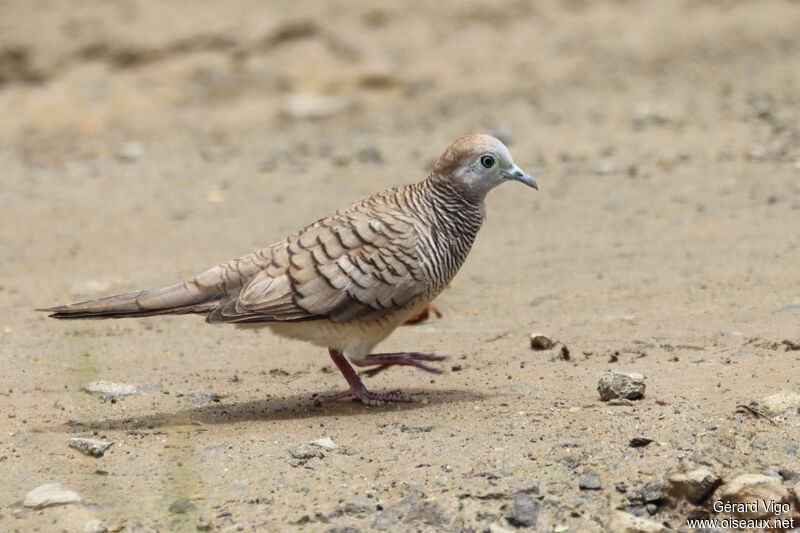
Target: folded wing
<point>351,265</point>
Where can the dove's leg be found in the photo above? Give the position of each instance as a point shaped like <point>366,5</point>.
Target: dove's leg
<point>357,388</point>
<point>385,360</point>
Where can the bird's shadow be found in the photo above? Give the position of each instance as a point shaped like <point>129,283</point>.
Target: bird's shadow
<point>268,409</point>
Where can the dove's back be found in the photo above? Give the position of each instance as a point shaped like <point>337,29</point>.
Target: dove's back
<point>363,262</point>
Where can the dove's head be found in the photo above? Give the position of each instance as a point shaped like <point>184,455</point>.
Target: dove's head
<point>477,163</point>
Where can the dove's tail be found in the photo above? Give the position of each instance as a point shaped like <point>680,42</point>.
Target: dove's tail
<point>178,299</point>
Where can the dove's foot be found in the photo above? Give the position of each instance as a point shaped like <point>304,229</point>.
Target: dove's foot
<point>385,360</point>
<point>357,388</point>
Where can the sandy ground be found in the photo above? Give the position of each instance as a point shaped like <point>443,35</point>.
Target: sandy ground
<point>142,142</point>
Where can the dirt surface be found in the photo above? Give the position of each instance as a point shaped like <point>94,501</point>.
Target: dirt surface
<point>142,142</point>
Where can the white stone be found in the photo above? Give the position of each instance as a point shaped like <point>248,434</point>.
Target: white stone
<point>109,388</point>
<point>325,443</point>
<point>50,494</point>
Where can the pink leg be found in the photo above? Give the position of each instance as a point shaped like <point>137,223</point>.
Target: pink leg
<point>357,388</point>
<point>385,360</point>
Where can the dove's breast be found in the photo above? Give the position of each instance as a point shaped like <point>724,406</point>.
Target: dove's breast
<point>356,338</point>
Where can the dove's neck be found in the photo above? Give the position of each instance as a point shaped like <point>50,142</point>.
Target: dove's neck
<point>454,221</point>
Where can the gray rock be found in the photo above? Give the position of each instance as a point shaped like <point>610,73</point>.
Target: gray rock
<point>622,522</point>
<point>541,342</point>
<point>525,511</point>
<point>181,506</point>
<point>357,506</point>
<point>694,486</point>
<point>413,510</point>
<point>590,481</point>
<point>653,491</point>
<point>91,447</point>
<point>750,488</point>
<point>427,428</point>
<point>616,384</point>
<point>306,451</point>
<point>95,526</point>
<point>50,494</point>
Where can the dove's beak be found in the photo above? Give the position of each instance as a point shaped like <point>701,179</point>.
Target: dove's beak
<point>517,174</point>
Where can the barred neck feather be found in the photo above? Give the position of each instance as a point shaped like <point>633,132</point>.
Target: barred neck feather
<point>452,221</point>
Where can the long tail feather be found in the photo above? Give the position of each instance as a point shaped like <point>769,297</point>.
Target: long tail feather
<point>181,298</point>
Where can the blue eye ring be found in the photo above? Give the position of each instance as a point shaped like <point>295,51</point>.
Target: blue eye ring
<point>487,161</point>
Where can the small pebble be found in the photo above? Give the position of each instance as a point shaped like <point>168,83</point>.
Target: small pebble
<point>639,442</point>
<point>616,384</point>
<point>91,447</point>
<point>306,451</point>
<point>525,512</point>
<point>356,506</point>
<point>417,429</point>
<point>590,481</point>
<point>541,342</point>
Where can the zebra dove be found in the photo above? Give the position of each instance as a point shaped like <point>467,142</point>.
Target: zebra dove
<point>346,281</point>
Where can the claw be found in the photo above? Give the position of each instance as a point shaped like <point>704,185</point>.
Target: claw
<point>385,360</point>
<point>357,388</point>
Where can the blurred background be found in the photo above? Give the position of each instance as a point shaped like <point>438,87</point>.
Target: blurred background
<point>194,112</point>
<point>144,141</point>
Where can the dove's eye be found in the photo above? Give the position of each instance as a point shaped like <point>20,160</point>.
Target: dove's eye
<point>487,161</point>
